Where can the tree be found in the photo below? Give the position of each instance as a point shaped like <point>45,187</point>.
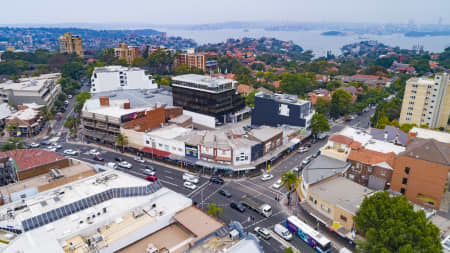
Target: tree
<point>72,123</point>
<point>46,114</point>
<point>319,124</point>
<point>425,126</point>
<point>139,62</point>
<point>122,141</point>
<point>12,144</point>
<point>382,122</point>
<point>289,180</point>
<point>73,70</point>
<point>213,210</point>
<point>406,127</point>
<point>340,103</point>
<point>322,105</point>
<point>295,84</point>
<point>80,99</point>
<point>250,98</point>
<point>390,224</point>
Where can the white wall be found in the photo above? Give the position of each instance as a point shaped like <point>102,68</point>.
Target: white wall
<point>241,152</point>
<point>201,119</point>
<point>170,145</point>
<point>110,80</point>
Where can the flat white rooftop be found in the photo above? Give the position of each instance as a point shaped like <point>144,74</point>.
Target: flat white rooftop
<point>100,202</point>
<point>431,134</point>
<point>115,108</point>
<point>203,80</point>
<point>170,132</point>
<point>30,84</point>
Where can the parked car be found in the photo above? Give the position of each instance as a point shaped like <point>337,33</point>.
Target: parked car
<point>149,172</point>
<point>283,232</point>
<point>190,185</point>
<point>263,232</point>
<point>307,145</point>
<point>306,161</point>
<point>348,119</point>
<point>94,152</point>
<point>35,145</point>
<point>52,149</point>
<point>70,152</point>
<point>45,143</point>
<point>98,158</point>
<point>125,164</point>
<point>277,184</point>
<point>225,193</point>
<point>69,96</point>
<point>151,178</point>
<point>303,149</point>
<point>139,160</point>
<point>216,180</point>
<point>322,136</point>
<point>316,154</point>
<point>296,169</point>
<point>237,206</point>
<point>66,102</point>
<point>150,167</point>
<point>266,177</point>
<point>119,159</point>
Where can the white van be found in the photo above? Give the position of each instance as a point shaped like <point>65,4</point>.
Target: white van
<point>283,232</point>
<point>191,178</point>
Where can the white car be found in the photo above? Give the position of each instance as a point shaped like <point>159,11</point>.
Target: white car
<point>149,172</point>
<point>190,185</point>
<point>112,165</point>
<point>55,146</point>
<point>69,96</point>
<point>266,177</point>
<point>277,184</point>
<point>94,152</point>
<point>295,169</point>
<point>52,149</point>
<point>303,149</point>
<point>283,232</point>
<point>263,232</point>
<point>139,160</point>
<point>70,152</point>
<point>34,145</point>
<point>125,164</point>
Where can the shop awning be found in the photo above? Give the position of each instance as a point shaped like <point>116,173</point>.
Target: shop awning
<point>189,159</point>
<point>155,152</point>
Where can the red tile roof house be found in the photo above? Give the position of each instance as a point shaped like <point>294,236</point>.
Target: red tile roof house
<point>34,162</point>
<point>276,84</point>
<point>244,89</point>
<point>320,93</point>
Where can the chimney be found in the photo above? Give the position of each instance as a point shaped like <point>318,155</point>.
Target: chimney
<point>126,105</point>
<point>410,135</point>
<point>104,101</point>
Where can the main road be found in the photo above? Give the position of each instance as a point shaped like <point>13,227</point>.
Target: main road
<point>207,192</point>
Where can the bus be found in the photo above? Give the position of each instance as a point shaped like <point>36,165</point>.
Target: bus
<point>313,238</point>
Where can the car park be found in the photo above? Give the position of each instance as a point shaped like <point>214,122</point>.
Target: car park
<point>216,180</point>
<point>35,145</point>
<point>316,154</point>
<point>283,232</point>
<point>139,160</point>
<point>98,158</point>
<point>125,164</point>
<point>151,178</point>
<point>277,184</point>
<point>149,172</point>
<point>94,152</point>
<point>263,232</point>
<point>237,206</point>
<point>303,149</point>
<point>266,177</point>
<point>70,152</point>
<point>225,193</point>
<point>190,185</point>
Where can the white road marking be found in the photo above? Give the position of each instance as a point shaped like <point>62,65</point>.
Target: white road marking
<point>191,195</point>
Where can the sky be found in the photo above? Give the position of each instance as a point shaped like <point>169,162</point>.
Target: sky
<point>213,11</point>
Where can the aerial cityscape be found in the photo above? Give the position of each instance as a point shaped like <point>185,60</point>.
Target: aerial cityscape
<point>201,127</point>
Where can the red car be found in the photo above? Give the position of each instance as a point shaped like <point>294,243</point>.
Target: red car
<point>151,178</point>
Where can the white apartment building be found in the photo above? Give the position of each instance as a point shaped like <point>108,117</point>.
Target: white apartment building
<point>427,101</point>
<point>111,78</point>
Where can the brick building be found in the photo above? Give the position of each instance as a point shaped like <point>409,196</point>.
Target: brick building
<point>192,60</point>
<point>25,122</point>
<point>421,172</point>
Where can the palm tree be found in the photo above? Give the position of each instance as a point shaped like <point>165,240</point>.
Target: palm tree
<point>289,180</point>
<point>122,141</point>
<point>213,210</point>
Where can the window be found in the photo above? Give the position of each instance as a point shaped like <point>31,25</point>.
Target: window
<point>370,169</point>
<point>405,180</point>
<point>407,169</point>
<point>343,218</point>
<point>402,191</point>
<point>358,165</point>
<point>383,172</point>
<point>412,97</point>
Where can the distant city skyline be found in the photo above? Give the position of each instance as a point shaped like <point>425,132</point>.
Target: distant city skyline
<point>205,12</point>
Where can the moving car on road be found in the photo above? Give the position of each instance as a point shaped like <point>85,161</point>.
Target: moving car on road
<point>263,232</point>
<point>266,177</point>
<point>149,172</point>
<point>139,160</point>
<point>283,232</point>
<point>151,178</point>
<point>70,152</point>
<point>302,150</point>
<point>315,155</point>
<point>256,205</point>
<point>216,180</point>
<point>125,164</point>
<point>98,158</point>
<point>191,178</point>
<point>111,165</point>
<point>306,161</point>
<point>190,185</point>
<point>237,206</point>
<point>52,149</point>
<point>94,152</point>
<point>119,159</point>
<point>277,184</point>
<point>34,145</point>
<point>225,193</point>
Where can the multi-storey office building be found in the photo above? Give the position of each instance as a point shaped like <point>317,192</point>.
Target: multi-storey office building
<point>427,101</point>
<point>71,44</point>
<point>212,96</point>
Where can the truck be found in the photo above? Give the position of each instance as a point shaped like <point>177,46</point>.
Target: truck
<point>257,206</point>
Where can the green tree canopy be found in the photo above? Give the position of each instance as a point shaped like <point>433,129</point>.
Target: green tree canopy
<point>319,124</point>
<point>390,224</point>
<point>213,210</point>
<point>322,105</point>
<point>340,103</point>
<point>295,84</point>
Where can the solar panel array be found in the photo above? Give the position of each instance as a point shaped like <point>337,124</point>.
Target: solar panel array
<point>56,214</point>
